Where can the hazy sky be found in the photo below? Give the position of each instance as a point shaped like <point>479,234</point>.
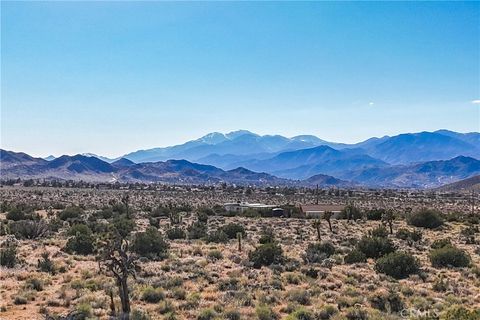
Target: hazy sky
<point>113,77</point>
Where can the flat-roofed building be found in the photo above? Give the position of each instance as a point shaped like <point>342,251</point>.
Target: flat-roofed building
<point>317,210</point>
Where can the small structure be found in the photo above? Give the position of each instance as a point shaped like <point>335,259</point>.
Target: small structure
<point>278,212</point>
<point>242,206</point>
<point>317,210</point>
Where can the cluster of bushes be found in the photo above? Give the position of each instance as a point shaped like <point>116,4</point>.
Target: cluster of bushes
<point>425,218</point>
<point>317,252</point>
<point>398,265</point>
<point>150,244</point>
<point>268,252</point>
<point>81,241</point>
<point>445,254</point>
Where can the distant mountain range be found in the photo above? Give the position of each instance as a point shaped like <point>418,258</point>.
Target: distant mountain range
<point>411,160</point>
<point>469,184</point>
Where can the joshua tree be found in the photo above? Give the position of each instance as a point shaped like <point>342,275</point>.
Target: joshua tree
<point>327,216</point>
<point>316,225</point>
<point>239,237</point>
<point>387,218</point>
<point>125,201</point>
<point>120,263</point>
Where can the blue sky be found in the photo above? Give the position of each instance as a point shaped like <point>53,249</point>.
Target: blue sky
<point>113,77</point>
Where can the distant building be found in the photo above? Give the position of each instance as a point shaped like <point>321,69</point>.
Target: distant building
<point>242,206</point>
<point>317,210</point>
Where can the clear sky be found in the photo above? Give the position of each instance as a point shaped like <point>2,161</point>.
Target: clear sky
<point>114,77</point>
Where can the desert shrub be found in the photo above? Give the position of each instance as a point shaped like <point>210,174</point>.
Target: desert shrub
<point>202,216</point>
<point>150,244</point>
<point>299,296</point>
<point>29,229</point>
<point>267,236</point>
<point>232,315</point>
<point>207,314</point>
<point>83,311</point>
<point>8,256</point>
<point>197,230</point>
<point>18,300</point>
<point>161,211</point>
<point>139,315</point>
<point>34,284</point>
<point>379,231</point>
<point>387,301</point>
<point>440,243</point>
<point>398,265</point>
<point>152,295</point>
<point>165,307</point>
<point>176,233</point>
<point>229,284</point>
<point>217,236</point>
<point>410,236</point>
<point>16,214</point>
<point>215,254</point>
<point>317,252</point>
<point>71,213</point>
<point>449,256</point>
<point>460,313</point>
<point>81,241</point>
<point>123,225</point>
<point>468,234</point>
<point>375,247</point>
<point>354,313</point>
<point>46,264</point>
<point>301,314</point>
<point>351,212</point>
<point>375,214</point>
<point>327,312</point>
<point>425,218</point>
<point>266,254</point>
<point>264,312</point>
<point>355,256</point>
<point>232,229</point>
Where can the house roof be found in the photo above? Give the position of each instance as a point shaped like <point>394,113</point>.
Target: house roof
<point>321,207</point>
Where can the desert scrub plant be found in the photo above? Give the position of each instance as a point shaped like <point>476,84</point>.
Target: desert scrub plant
<point>232,315</point>
<point>207,314</point>
<point>152,295</point>
<point>375,247</point>
<point>379,231</point>
<point>409,236</point>
<point>449,256</point>
<point>398,265</point>
<point>217,236</point>
<point>327,312</point>
<point>264,312</point>
<point>301,314</point>
<point>29,229</point>
<point>317,252</point>
<point>389,301</point>
<point>197,230</point>
<point>81,240</point>
<point>299,296</point>
<point>176,233</point>
<point>46,264</point>
<point>34,284</point>
<point>8,252</point>
<point>425,218</point>
<point>355,256</point>
<point>71,213</point>
<point>266,254</point>
<point>232,229</point>
<point>139,315</point>
<point>457,312</point>
<point>440,243</point>
<point>150,244</point>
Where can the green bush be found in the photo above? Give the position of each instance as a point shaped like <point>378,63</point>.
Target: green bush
<point>301,314</point>
<point>217,236</point>
<point>207,314</point>
<point>375,214</point>
<point>8,256</point>
<point>317,252</point>
<point>123,225</point>
<point>232,229</point>
<point>375,247</point>
<point>16,214</point>
<point>440,243</point>
<point>425,218</point>
<point>266,254</point>
<point>410,236</point>
<point>460,313</point>
<point>267,236</point>
<point>29,229</point>
<point>264,312</point>
<point>449,256</point>
<point>232,315</point>
<point>379,231</point>
<point>215,254</point>
<point>152,295</point>
<point>46,264</point>
<point>197,230</point>
<point>71,213</point>
<point>150,244</point>
<point>355,256</point>
<point>81,241</point>
<point>398,265</point>
<point>327,312</point>
<point>176,233</point>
